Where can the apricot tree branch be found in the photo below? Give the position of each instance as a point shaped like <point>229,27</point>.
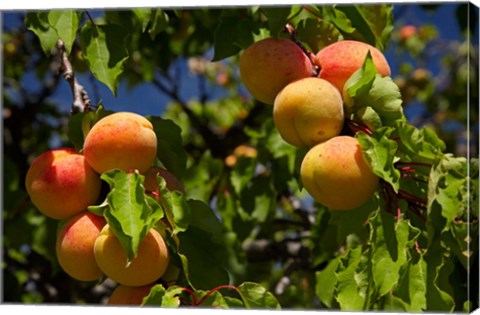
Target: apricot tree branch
<point>81,100</point>
<point>293,35</point>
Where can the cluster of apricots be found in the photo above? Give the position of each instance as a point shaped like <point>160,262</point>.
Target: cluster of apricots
<point>62,183</point>
<point>309,110</point>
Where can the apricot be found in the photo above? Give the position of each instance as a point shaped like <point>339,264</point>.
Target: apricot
<point>148,266</point>
<point>122,141</point>
<point>308,111</point>
<point>74,246</point>
<point>270,64</point>
<point>336,175</point>
<point>126,295</point>
<point>151,181</point>
<point>61,183</point>
<point>338,61</point>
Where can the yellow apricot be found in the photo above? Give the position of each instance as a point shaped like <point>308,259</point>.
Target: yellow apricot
<point>308,111</point>
<point>338,61</point>
<point>148,266</point>
<point>336,175</point>
<point>61,184</point>
<point>122,141</point>
<point>74,246</point>
<point>270,64</point>
<point>126,295</point>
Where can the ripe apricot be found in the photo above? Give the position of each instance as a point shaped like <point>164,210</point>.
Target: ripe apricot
<point>336,175</point>
<point>126,295</point>
<point>338,61</point>
<point>270,64</point>
<point>74,246</point>
<point>148,266</point>
<point>122,141</point>
<point>61,183</point>
<point>308,111</point>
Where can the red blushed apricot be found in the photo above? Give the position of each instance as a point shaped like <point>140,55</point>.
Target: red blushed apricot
<point>126,295</point>
<point>270,64</point>
<point>122,141</point>
<point>148,266</point>
<point>338,61</point>
<point>335,174</point>
<point>61,183</point>
<point>74,247</point>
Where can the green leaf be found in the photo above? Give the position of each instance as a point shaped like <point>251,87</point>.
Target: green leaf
<point>170,150</point>
<point>373,23</point>
<point>130,213</point>
<point>201,178</point>
<point>256,199</point>
<point>104,48</point>
<point>159,22</point>
<point>390,242</point>
<point>175,206</point>
<point>379,151</point>
<point>242,173</point>
<point>367,89</point>
<point>326,283</point>
<point>277,17</point>
<point>65,23</point>
<point>256,296</point>
<point>205,218</point>
<point>351,280</point>
<point>163,298</point>
<point>233,33</point>
<point>38,23</point>
<point>412,285</point>
<point>353,221</point>
<point>143,15</point>
<point>419,145</point>
<point>200,253</point>
<point>317,34</point>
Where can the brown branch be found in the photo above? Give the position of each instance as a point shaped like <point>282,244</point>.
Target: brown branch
<point>311,56</point>
<point>81,100</point>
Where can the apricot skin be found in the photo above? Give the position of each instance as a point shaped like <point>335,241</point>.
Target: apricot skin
<point>150,264</point>
<point>61,184</point>
<point>126,295</point>
<point>338,61</point>
<point>335,174</point>
<point>270,64</point>
<point>151,181</point>
<point>122,141</point>
<point>74,246</point>
<point>308,111</point>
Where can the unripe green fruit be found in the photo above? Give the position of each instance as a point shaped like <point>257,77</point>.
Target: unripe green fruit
<point>308,111</point>
<point>336,175</point>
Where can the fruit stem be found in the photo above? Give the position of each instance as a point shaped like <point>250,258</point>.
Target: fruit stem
<point>356,127</point>
<point>226,286</point>
<point>293,35</point>
<point>192,294</point>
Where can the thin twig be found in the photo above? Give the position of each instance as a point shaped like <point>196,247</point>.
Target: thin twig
<point>311,56</point>
<point>81,100</point>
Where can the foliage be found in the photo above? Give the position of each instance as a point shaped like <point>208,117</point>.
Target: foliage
<point>249,235</point>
